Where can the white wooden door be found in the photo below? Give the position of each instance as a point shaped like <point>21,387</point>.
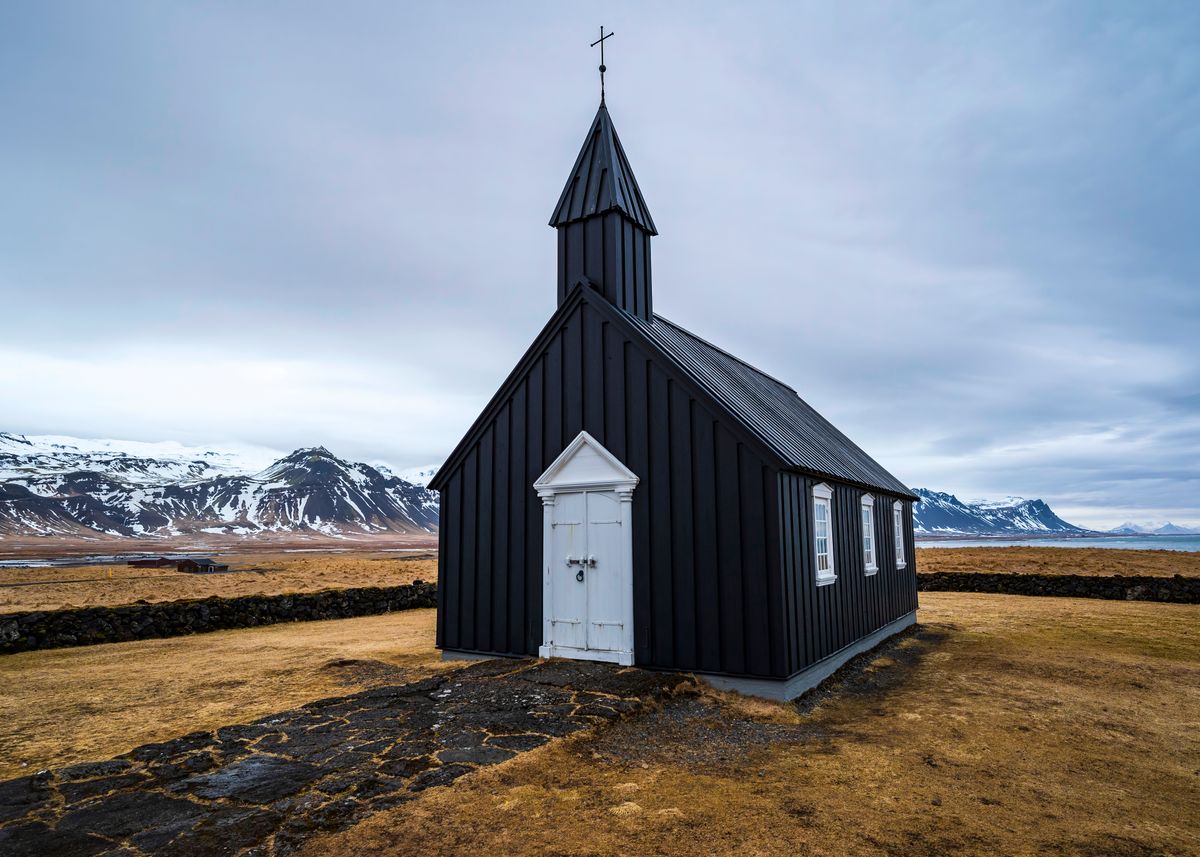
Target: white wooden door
<point>588,604</point>
<point>605,598</point>
<point>568,616</point>
<point>587,546</point>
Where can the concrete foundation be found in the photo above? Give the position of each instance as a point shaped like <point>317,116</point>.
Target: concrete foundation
<point>785,690</point>
<point>452,655</point>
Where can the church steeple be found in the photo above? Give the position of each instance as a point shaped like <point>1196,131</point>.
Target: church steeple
<point>604,227</point>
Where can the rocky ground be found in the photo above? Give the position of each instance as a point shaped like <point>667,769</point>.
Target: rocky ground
<point>264,787</point>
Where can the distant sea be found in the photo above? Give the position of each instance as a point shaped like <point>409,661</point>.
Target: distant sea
<point>1159,543</point>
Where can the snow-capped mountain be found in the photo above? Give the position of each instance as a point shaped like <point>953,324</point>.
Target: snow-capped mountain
<point>945,514</point>
<point>26,456</point>
<point>62,486</point>
<point>420,475</point>
<point>1129,528</point>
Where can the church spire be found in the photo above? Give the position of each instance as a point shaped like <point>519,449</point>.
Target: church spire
<point>604,226</point>
<point>602,180</point>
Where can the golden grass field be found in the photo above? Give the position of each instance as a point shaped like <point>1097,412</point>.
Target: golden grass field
<point>272,572</point>
<point>62,706</point>
<point>1008,724</point>
<point>251,573</point>
<point>1051,560</point>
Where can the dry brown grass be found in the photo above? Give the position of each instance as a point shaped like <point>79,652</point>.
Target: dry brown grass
<point>270,572</point>
<point>32,547</point>
<point>1010,725</point>
<point>256,573</point>
<point>64,706</point>
<point>1048,560</point>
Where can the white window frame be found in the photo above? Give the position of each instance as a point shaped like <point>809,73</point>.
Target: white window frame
<point>898,533</point>
<point>822,496</point>
<point>870,548</point>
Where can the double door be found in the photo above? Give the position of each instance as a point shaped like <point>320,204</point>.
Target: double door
<point>587,609</point>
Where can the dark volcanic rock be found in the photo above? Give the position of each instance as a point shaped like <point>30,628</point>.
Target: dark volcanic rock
<point>22,796</point>
<point>37,840</point>
<point>520,743</point>
<point>475,755</point>
<point>406,767</point>
<point>439,776</point>
<point>20,632</point>
<point>225,831</point>
<point>1177,589</point>
<point>257,779</point>
<point>263,788</point>
<point>81,791</point>
<point>88,770</point>
<point>126,814</point>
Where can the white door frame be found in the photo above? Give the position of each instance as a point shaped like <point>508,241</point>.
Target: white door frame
<point>602,471</point>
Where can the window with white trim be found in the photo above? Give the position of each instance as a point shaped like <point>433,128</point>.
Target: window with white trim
<point>898,527</point>
<point>868,533</point>
<point>823,533</point>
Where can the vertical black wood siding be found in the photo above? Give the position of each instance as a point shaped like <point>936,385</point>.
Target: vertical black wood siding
<point>708,584</point>
<point>614,253</point>
<point>823,619</point>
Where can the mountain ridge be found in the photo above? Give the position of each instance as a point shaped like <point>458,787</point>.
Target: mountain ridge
<point>49,488</point>
<point>1129,528</point>
<point>942,514</point>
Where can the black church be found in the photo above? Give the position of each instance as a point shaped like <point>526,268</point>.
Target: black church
<point>635,494</point>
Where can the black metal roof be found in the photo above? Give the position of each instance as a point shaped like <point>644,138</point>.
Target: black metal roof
<point>602,180</point>
<point>770,409</point>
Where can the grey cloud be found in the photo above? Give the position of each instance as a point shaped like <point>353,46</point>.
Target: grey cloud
<point>966,234</point>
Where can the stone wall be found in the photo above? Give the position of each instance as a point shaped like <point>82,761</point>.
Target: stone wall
<point>20,632</point>
<point>1177,589</point>
<point>52,629</point>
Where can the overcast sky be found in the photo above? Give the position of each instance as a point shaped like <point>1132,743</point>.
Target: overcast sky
<point>969,235</point>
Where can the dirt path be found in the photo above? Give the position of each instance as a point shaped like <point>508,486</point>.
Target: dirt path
<point>270,784</point>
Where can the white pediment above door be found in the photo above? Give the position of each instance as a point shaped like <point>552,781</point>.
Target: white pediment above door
<point>583,464</point>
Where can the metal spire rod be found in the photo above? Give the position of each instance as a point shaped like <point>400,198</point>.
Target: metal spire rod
<point>600,42</point>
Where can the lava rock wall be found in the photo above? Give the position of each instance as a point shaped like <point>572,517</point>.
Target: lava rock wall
<point>52,629</point>
<point>1177,589</point>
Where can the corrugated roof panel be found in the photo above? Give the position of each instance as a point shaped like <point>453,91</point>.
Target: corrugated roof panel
<point>771,410</point>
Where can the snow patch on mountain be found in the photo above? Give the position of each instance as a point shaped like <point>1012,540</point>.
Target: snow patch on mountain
<point>939,513</point>
<point>1166,528</point>
<point>422,475</point>
<point>65,486</point>
<point>126,460</point>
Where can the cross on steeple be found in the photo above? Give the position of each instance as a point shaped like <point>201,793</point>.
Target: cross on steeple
<point>600,42</point>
